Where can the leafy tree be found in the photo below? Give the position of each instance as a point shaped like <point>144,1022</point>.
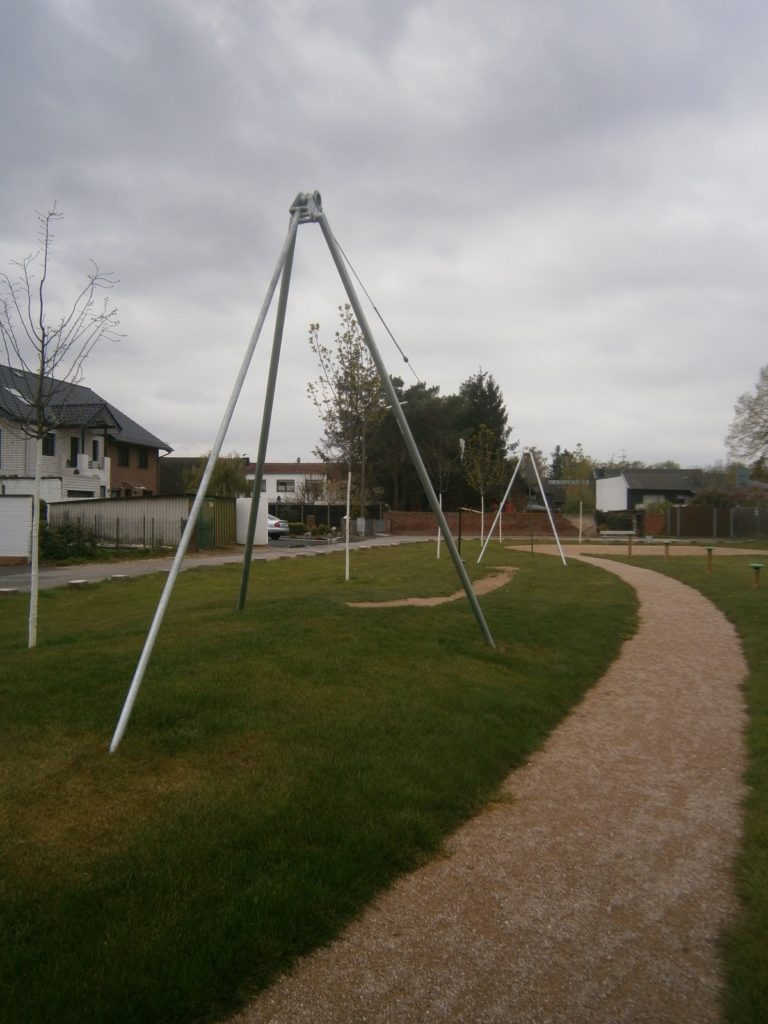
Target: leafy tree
<point>747,436</point>
<point>574,465</point>
<point>52,350</point>
<point>441,449</point>
<point>436,423</point>
<point>484,404</point>
<point>556,463</point>
<point>347,395</point>
<point>227,480</point>
<point>483,465</point>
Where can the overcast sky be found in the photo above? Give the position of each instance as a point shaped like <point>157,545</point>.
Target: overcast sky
<point>570,195</point>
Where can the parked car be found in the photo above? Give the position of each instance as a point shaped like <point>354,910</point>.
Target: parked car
<point>276,528</point>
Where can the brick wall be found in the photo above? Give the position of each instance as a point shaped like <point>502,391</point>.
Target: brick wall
<point>513,523</point>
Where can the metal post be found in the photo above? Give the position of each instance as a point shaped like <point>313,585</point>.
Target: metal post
<point>546,504</point>
<point>503,503</point>
<point>201,491</point>
<point>346,524</point>
<point>405,430</point>
<point>269,401</point>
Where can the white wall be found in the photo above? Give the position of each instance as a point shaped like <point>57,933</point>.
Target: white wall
<point>50,487</point>
<point>270,493</point>
<point>242,512</point>
<point>17,459</point>
<point>611,494</point>
<point>15,527</point>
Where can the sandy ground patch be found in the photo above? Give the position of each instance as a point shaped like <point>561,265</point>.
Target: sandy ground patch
<point>482,586</point>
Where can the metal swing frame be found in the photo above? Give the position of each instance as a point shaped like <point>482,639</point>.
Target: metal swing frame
<point>532,460</point>
<point>306,208</point>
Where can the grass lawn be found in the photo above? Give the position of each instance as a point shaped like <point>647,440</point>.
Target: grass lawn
<point>729,586</point>
<point>282,765</point>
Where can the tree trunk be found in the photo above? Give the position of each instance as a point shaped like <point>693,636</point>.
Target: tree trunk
<point>362,478</point>
<point>35,566</point>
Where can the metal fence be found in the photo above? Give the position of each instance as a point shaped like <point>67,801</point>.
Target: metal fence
<point>148,522</point>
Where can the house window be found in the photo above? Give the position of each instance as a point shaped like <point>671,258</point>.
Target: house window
<point>143,458</point>
<point>74,449</point>
<point>286,486</point>
<point>95,451</point>
<point>1,447</point>
<point>49,444</point>
<point>263,486</point>
<point>123,455</point>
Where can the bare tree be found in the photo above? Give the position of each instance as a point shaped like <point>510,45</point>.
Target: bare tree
<point>311,489</point>
<point>348,395</point>
<point>51,352</point>
<point>483,465</point>
<point>747,436</point>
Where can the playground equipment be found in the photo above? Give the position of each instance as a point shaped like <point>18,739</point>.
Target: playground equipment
<point>526,452</point>
<point>305,209</point>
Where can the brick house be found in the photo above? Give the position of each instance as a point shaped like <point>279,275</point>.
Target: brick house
<point>93,449</point>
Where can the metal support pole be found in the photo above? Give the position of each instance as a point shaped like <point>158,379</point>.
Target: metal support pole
<point>405,430</point>
<point>546,504</point>
<point>503,503</point>
<point>269,401</point>
<point>201,491</point>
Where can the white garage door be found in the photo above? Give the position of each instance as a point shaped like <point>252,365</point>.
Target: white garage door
<point>15,526</point>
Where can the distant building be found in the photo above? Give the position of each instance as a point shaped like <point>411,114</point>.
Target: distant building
<point>297,483</point>
<point>289,483</point>
<point>93,449</point>
<point>629,489</point>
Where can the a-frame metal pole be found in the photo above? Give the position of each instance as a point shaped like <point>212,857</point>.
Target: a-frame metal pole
<point>529,453</point>
<point>269,400</point>
<point>546,505</point>
<point>501,507</point>
<point>405,430</point>
<point>149,644</point>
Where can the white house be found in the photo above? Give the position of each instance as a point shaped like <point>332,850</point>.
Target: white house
<point>92,450</point>
<point>628,489</point>
<point>296,483</point>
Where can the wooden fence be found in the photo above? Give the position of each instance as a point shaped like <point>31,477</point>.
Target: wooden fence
<point>717,523</point>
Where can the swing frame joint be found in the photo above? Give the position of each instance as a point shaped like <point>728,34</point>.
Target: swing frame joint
<point>308,205</point>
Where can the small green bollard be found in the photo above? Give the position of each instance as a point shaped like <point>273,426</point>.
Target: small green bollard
<point>666,549</point>
<point>756,567</point>
<point>709,559</point>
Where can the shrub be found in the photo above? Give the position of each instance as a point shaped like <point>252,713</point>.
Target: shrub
<point>69,540</point>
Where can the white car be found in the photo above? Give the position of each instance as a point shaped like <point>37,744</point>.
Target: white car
<point>276,528</point>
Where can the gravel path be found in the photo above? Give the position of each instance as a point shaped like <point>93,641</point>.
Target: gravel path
<point>597,891</point>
